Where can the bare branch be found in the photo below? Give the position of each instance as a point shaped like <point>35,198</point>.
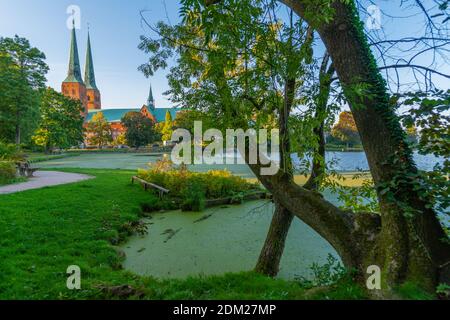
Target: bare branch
<point>413,66</point>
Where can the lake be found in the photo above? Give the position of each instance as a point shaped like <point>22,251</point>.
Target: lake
<point>357,161</point>
<point>181,244</point>
<point>340,161</point>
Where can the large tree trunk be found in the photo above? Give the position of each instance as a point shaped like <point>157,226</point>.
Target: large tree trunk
<point>270,256</point>
<point>272,251</point>
<point>407,248</point>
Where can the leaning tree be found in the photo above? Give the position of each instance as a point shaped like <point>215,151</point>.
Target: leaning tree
<point>405,239</point>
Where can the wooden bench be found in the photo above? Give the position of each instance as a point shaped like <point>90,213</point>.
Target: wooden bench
<point>25,170</point>
<point>147,185</point>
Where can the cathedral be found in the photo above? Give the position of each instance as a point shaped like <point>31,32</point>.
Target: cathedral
<point>88,93</point>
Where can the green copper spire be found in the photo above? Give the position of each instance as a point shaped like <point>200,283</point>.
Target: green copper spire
<point>151,100</point>
<point>74,74</point>
<point>89,74</point>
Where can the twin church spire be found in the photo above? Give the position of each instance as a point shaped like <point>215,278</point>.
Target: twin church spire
<point>74,73</point>
<point>86,90</point>
<point>89,74</point>
<point>73,86</point>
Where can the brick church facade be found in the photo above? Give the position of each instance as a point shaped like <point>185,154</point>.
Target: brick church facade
<point>88,93</point>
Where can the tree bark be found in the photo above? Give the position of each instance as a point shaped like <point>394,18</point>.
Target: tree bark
<point>270,257</point>
<point>18,130</point>
<point>407,248</point>
<point>333,224</point>
<point>272,251</point>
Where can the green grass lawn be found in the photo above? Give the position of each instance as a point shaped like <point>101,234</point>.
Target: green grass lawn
<point>36,157</point>
<point>45,231</point>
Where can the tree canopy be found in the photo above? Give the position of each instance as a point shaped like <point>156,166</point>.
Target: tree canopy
<point>139,129</point>
<point>99,131</point>
<point>345,129</point>
<point>61,121</point>
<point>22,76</point>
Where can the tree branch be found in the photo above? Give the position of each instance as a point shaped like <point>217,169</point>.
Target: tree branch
<point>414,66</point>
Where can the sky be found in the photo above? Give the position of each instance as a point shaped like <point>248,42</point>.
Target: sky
<point>115,28</point>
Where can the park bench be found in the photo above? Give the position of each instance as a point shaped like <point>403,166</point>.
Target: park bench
<point>25,170</point>
<point>147,185</point>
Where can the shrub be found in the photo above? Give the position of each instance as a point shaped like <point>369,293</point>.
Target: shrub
<point>214,184</point>
<point>194,197</point>
<point>10,152</point>
<point>333,275</point>
<point>7,171</point>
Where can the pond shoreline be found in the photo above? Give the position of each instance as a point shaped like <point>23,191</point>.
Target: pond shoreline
<point>219,240</point>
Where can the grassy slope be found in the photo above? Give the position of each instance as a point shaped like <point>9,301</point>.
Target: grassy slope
<point>44,231</point>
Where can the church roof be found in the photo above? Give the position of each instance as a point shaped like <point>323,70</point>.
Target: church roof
<point>111,115</point>
<point>74,73</point>
<point>89,74</point>
<point>160,113</point>
<point>116,115</point>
